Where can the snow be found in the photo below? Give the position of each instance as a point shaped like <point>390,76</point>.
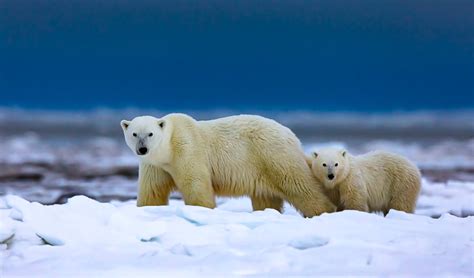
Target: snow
<point>84,237</point>
<point>454,197</point>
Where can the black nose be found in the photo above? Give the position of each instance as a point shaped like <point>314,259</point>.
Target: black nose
<point>142,151</point>
<point>330,176</point>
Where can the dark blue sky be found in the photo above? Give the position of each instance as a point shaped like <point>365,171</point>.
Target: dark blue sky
<point>316,55</point>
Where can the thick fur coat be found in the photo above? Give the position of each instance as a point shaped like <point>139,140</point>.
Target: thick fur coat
<point>376,181</point>
<point>233,156</point>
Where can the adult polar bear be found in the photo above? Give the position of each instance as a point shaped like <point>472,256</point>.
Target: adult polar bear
<point>233,156</point>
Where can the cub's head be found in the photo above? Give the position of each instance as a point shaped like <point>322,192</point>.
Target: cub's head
<point>143,134</point>
<point>330,166</point>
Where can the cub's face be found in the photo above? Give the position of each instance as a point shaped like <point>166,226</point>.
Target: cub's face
<point>328,165</point>
<point>143,134</point>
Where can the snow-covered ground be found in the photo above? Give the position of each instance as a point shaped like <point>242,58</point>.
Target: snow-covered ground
<point>85,237</point>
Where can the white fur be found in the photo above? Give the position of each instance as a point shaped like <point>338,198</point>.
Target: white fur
<point>376,181</point>
<point>234,156</point>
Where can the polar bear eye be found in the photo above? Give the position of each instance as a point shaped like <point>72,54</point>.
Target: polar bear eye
<point>324,164</point>
<point>150,134</point>
<point>134,134</point>
<point>336,164</point>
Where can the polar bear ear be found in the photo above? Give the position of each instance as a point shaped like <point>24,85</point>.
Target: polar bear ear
<point>343,152</point>
<point>124,124</point>
<point>161,123</point>
<point>314,154</point>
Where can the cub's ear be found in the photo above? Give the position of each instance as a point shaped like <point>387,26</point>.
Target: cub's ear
<point>124,124</point>
<point>343,152</point>
<point>314,154</point>
<point>161,123</point>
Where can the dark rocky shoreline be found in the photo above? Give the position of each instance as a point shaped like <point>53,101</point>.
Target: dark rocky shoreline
<point>55,183</point>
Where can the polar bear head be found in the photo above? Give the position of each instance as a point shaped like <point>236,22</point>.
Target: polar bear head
<point>144,135</point>
<point>330,166</point>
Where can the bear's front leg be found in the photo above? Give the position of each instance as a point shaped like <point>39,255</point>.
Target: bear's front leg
<point>353,197</point>
<point>352,204</point>
<point>154,186</point>
<point>194,183</point>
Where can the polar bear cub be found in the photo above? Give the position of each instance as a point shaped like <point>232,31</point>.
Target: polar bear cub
<point>243,155</point>
<point>376,181</point>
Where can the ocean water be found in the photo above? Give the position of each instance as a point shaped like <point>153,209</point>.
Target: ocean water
<point>365,56</point>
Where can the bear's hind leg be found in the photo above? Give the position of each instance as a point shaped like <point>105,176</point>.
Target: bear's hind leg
<point>263,202</point>
<point>405,191</point>
<point>402,203</point>
<point>311,204</point>
<point>307,197</point>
